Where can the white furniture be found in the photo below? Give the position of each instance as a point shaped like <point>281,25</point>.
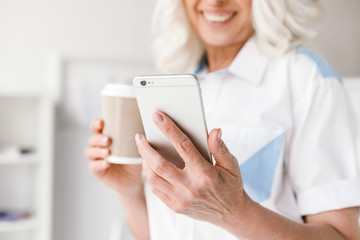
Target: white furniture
<point>26,121</point>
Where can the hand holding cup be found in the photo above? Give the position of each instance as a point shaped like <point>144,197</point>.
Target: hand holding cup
<point>125,179</point>
<point>113,154</point>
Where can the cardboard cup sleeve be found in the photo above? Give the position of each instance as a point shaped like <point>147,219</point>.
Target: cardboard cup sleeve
<point>122,121</point>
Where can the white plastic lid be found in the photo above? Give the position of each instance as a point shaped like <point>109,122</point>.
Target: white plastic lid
<point>118,90</point>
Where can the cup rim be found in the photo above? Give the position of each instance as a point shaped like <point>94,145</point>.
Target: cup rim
<point>124,160</point>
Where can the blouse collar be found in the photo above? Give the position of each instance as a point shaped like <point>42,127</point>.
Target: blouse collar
<point>249,64</point>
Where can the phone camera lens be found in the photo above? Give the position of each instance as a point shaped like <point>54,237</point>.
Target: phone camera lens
<point>143,83</point>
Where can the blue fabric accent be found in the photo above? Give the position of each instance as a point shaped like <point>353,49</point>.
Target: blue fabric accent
<point>259,170</point>
<point>325,69</point>
<point>222,72</point>
<point>201,66</point>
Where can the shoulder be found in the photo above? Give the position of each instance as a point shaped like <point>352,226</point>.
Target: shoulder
<point>303,58</point>
<point>303,66</point>
<point>308,72</point>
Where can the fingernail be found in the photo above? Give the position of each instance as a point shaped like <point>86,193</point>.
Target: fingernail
<point>105,140</point>
<point>158,118</point>
<point>105,151</point>
<point>219,135</point>
<point>137,138</point>
<point>98,122</point>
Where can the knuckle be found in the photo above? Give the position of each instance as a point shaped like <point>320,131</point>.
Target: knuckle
<point>184,204</point>
<point>170,129</point>
<point>186,146</point>
<point>152,178</point>
<point>223,149</point>
<point>194,193</point>
<point>177,208</point>
<point>205,181</point>
<point>160,166</point>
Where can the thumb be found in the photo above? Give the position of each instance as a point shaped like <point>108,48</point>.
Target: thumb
<point>219,150</point>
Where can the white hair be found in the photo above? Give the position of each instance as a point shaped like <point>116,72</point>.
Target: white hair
<point>279,26</point>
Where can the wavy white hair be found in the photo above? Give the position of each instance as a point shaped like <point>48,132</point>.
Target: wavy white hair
<point>279,26</point>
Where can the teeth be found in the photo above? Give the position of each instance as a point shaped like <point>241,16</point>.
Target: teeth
<point>218,17</point>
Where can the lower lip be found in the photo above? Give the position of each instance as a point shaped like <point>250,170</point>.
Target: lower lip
<point>217,24</point>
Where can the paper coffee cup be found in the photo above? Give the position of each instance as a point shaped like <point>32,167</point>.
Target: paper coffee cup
<point>122,121</point>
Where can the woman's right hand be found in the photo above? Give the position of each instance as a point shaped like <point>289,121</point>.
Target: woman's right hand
<point>125,179</point>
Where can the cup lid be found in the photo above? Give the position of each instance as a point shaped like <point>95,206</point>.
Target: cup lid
<point>118,90</point>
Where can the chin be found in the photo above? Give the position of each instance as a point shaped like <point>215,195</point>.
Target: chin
<point>218,41</point>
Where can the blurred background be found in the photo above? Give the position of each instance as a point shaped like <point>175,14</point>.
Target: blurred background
<point>55,56</point>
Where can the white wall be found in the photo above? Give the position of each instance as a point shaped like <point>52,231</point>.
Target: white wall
<point>339,35</point>
<point>31,30</point>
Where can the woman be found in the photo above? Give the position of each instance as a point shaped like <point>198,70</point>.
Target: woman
<point>282,113</point>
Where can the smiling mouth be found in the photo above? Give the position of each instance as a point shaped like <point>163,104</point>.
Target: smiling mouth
<point>218,18</point>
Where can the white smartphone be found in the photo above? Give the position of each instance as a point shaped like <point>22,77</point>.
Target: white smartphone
<point>178,96</point>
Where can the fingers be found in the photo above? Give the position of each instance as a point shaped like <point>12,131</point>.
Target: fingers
<point>99,140</point>
<point>98,167</point>
<point>97,125</point>
<point>156,162</point>
<point>155,180</point>
<point>95,153</point>
<point>179,140</point>
<point>219,150</point>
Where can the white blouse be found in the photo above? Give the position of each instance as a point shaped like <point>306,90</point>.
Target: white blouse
<point>289,123</point>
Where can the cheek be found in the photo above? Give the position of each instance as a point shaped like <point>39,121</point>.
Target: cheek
<point>244,23</point>
<point>190,7</point>
<point>245,7</point>
<point>187,9</point>
<point>244,3</point>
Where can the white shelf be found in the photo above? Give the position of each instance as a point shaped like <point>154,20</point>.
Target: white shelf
<point>26,119</point>
<point>20,160</point>
<point>18,225</point>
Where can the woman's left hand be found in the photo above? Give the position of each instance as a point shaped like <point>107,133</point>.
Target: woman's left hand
<point>201,190</point>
